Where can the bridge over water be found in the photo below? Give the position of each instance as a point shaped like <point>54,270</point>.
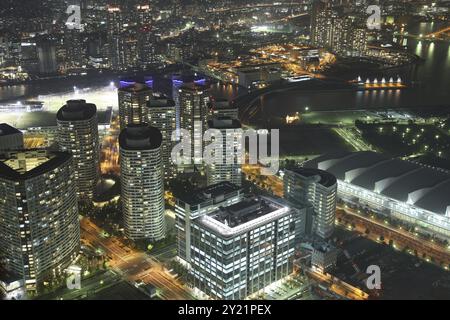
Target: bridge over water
<point>441,34</point>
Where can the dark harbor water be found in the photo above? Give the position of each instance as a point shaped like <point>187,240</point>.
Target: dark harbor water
<point>431,85</point>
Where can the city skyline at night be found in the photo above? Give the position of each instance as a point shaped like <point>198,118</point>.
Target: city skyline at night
<point>266,151</point>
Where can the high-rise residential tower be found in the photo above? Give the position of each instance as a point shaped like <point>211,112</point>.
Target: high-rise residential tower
<point>78,135</point>
<point>133,98</point>
<point>115,23</point>
<point>336,30</point>
<point>46,50</point>
<point>227,165</point>
<point>194,100</point>
<point>317,188</point>
<point>142,182</point>
<point>161,113</point>
<point>39,227</point>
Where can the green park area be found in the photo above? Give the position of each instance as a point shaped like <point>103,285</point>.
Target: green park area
<point>346,118</point>
<point>305,140</point>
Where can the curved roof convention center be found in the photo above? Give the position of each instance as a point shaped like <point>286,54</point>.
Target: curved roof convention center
<point>425,187</point>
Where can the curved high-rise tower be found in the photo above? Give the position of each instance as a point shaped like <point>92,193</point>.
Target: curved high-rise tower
<point>78,135</point>
<point>142,182</point>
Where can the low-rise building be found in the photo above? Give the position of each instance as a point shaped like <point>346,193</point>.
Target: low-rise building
<point>10,138</point>
<point>324,256</point>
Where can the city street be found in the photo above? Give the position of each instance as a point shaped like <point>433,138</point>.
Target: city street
<point>337,286</point>
<point>134,265</point>
<point>401,238</point>
<point>89,286</point>
<point>353,138</point>
<point>271,183</point>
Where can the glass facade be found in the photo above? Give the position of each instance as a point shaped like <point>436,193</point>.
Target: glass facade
<point>317,188</point>
<point>202,202</point>
<point>194,100</point>
<point>232,260</point>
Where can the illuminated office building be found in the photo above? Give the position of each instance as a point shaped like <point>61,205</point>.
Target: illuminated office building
<point>227,165</point>
<point>239,250</point>
<point>194,100</point>
<point>162,115</point>
<point>191,205</point>
<point>319,189</point>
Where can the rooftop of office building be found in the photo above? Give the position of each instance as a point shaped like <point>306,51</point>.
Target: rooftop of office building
<point>246,215</point>
<point>216,192</point>
<point>76,110</point>
<point>222,103</point>
<point>6,130</point>
<point>160,102</point>
<point>322,177</point>
<point>27,164</point>
<point>244,211</point>
<point>140,137</point>
<point>194,87</point>
<point>323,247</point>
<point>224,123</point>
<point>134,87</point>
